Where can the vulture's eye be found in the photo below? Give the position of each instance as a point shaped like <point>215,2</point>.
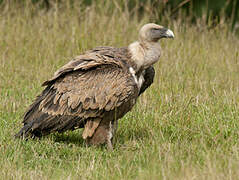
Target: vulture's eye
<point>155,29</point>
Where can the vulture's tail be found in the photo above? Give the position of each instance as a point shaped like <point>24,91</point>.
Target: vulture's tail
<point>45,124</point>
<point>26,132</point>
<point>38,123</point>
<point>33,119</point>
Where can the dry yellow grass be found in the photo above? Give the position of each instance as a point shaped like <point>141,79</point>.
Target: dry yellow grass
<point>184,127</point>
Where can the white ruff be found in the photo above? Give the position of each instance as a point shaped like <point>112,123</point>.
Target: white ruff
<point>137,53</point>
<point>144,58</point>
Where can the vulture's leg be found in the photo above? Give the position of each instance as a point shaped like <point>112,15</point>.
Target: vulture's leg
<point>115,126</point>
<point>99,135</point>
<point>110,136</point>
<point>112,131</point>
<point>103,134</point>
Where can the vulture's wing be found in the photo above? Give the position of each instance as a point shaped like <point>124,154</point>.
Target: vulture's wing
<point>85,62</point>
<point>86,87</point>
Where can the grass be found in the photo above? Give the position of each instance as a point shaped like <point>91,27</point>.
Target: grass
<point>184,127</point>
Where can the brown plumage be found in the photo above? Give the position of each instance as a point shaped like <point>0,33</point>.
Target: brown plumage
<point>94,90</point>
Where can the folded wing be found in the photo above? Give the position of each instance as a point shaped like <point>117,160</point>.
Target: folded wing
<point>86,87</point>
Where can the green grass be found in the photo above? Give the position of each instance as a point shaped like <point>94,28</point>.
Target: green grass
<point>186,125</point>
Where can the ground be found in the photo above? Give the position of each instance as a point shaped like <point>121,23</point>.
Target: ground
<point>185,126</point>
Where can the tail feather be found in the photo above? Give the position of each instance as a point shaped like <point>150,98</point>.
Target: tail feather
<point>43,124</point>
<point>38,123</point>
<point>25,132</point>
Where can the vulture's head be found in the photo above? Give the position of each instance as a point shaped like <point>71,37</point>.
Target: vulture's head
<point>146,51</point>
<point>152,33</point>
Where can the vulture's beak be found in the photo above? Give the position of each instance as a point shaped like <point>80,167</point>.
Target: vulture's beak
<point>169,34</point>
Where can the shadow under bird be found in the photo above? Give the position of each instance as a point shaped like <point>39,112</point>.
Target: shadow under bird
<point>95,89</point>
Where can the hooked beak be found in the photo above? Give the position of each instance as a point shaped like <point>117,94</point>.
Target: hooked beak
<point>169,34</point>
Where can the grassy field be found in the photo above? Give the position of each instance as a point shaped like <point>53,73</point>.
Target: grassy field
<point>186,125</point>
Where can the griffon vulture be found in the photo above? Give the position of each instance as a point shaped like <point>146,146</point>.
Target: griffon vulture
<point>95,89</point>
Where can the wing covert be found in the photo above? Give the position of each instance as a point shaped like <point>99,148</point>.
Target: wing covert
<point>89,93</point>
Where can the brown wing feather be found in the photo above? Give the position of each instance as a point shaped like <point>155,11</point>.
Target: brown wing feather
<point>89,93</point>
<point>84,62</point>
<point>84,88</point>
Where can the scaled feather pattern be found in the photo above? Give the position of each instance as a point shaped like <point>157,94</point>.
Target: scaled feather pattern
<point>94,90</point>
